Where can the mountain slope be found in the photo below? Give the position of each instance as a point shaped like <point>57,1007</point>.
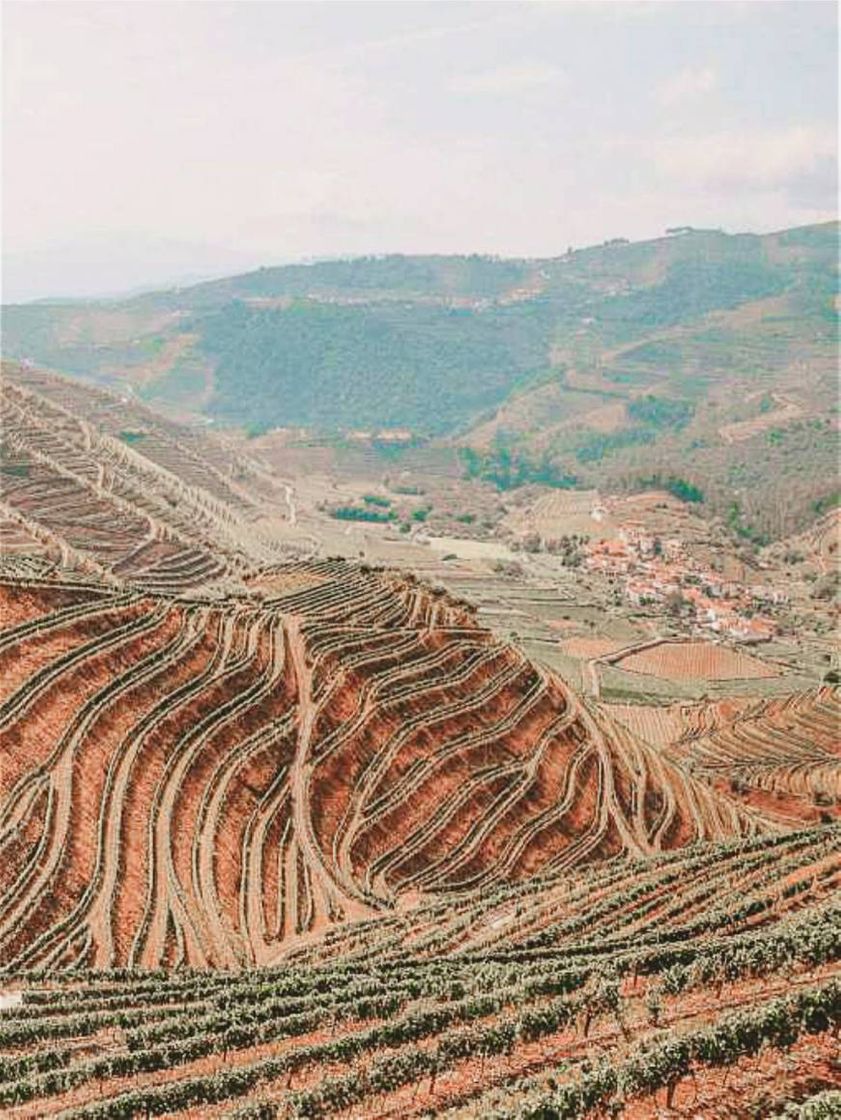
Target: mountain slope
<point>701,355</point>
<point>675,970</point>
<point>268,819</point>
<point>104,484</point>
<point>381,322</point>
<point>209,749</point>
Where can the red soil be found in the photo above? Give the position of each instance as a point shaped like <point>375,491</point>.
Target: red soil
<point>202,812</point>
<point>696,661</point>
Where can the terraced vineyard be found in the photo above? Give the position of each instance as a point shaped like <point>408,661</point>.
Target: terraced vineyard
<point>781,754</point>
<point>696,661</point>
<point>102,484</point>
<point>205,783</point>
<point>677,977</point>
<point>287,835</point>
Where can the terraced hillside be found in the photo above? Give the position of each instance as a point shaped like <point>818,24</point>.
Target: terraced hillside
<point>706,979</point>
<point>205,782</point>
<point>781,754</point>
<point>287,835</point>
<point>100,483</point>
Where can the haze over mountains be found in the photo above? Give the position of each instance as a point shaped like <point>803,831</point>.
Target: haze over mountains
<point>701,355</point>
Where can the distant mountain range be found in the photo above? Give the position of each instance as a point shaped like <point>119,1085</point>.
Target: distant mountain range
<point>702,357</point>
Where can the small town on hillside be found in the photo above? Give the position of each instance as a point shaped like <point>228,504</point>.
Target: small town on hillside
<point>618,540</point>
<point>651,570</point>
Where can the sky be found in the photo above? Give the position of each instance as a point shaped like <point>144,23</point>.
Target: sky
<point>148,143</point>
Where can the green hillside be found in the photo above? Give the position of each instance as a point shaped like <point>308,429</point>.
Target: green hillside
<point>330,366</point>
<point>612,363</point>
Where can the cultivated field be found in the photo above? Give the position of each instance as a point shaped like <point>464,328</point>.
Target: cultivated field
<point>667,723</point>
<point>782,754</point>
<point>705,979</point>
<point>696,661</point>
<point>587,648</point>
<point>231,776</point>
<point>289,835</point>
<point>562,513</point>
<point>106,486</point>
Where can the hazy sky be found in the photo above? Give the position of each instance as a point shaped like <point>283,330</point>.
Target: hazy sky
<point>148,141</point>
